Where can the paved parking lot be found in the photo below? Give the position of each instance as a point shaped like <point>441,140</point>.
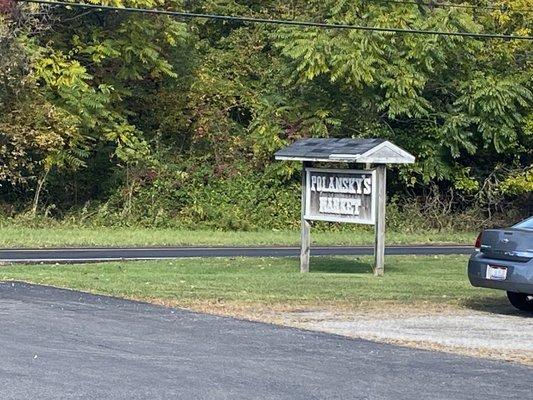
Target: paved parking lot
<point>59,344</point>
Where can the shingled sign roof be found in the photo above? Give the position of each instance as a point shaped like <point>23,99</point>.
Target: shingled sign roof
<point>374,151</point>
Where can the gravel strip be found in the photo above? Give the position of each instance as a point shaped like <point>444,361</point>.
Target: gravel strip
<point>507,337</point>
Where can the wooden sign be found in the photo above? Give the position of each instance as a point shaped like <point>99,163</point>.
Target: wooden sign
<point>344,195</point>
<point>341,195</point>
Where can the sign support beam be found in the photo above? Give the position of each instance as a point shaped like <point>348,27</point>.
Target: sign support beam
<point>305,241</point>
<point>379,246</point>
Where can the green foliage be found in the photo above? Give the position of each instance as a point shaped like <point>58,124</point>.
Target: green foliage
<point>242,202</point>
<point>519,183</point>
<point>36,134</point>
<point>177,122</point>
<point>446,90</point>
<point>171,196</point>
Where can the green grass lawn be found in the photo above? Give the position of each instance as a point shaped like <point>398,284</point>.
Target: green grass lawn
<point>16,236</point>
<point>270,282</point>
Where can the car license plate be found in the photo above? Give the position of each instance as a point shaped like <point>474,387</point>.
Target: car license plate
<point>496,273</point>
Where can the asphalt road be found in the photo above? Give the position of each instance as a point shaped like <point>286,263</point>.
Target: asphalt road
<point>60,344</point>
<point>154,253</point>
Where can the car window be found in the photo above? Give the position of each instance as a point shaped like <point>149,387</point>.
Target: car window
<point>526,224</point>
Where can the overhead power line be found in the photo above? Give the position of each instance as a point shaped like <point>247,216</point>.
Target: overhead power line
<point>322,25</point>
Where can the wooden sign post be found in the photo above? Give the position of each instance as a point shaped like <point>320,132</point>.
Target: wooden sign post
<point>344,195</point>
<point>305,239</point>
<point>379,243</point>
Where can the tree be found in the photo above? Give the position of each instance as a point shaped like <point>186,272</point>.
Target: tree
<point>444,98</point>
<point>67,88</point>
<point>156,100</point>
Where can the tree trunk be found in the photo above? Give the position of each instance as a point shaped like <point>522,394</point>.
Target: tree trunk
<point>38,189</point>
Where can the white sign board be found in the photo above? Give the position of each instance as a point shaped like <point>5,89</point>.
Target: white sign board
<point>341,195</point>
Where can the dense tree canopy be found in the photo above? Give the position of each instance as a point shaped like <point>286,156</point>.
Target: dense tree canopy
<point>165,119</point>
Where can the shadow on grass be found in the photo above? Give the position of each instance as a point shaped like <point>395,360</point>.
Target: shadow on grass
<point>494,305</point>
<point>339,265</point>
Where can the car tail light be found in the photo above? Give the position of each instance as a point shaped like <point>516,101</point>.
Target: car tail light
<point>477,245</point>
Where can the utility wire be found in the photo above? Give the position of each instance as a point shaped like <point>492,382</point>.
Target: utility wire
<point>187,15</point>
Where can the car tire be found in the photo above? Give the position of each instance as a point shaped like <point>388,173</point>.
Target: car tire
<point>522,301</point>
